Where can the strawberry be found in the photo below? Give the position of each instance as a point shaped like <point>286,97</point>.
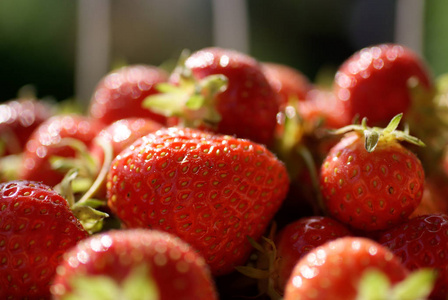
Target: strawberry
<point>375,82</point>
<point>148,263</point>
<point>287,82</point>
<point>37,227</point>
<point>298,238</point>
<point>211,190</point>
<point>222,90</point>
<point>422,242</point>
<point>369,180</point>
<point>341,269</point>
<point>18,119</point>
<point>46,142</point>
<point>121,92</point>
<point>119,135</point>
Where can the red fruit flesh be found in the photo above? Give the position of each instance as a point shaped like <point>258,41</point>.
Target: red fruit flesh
<point>37,227</point>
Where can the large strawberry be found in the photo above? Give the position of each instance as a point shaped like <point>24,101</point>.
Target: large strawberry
<point>49,140</point>
<point>18,119</point>
<point>375,82</point>
<point>211,190</point>
<point>148,264</point>
<point>121,92</point>
<point>36,228</point>
<point>369,180</point>
<point>422,242</point>
<point>223,90</point>
<point>352,268</point>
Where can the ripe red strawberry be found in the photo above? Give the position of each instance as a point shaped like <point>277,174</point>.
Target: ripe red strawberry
<point>45,143</point>
<point>422,242</point>
<point>121,92</point>
<point>119,135</point>
<point>374,82</point>
<point>211,190</point>
<point>287,82</point>
<point>300,237</point>
<point>122,133</point>
<point>36,228</point>
<point>369,180</point>
<point>18,119</point>
<point>334,270</point>
<point>247,107</point>
<point>148,263</point>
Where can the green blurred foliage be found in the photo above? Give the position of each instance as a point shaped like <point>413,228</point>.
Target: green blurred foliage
<point>38,37</point>
<point>37,47</point>
<point>435,35</point>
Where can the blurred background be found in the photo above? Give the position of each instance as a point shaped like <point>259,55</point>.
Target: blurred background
<point>63,47</point>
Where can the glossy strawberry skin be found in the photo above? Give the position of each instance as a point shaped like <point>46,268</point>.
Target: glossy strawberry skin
<point>119,135</point>
<point>371,191</point>
<point>178,271</point>
<point>249,105</point>
<point>121,92</point>
<point>287,82</point>
<point>211,190</point>
<point>422,242</point>
<point>18,119</point>
<point>44,143</point>
<point>373,82</point>
<point>333,270</point>
<point>37,227</point>
<point>300,237</point>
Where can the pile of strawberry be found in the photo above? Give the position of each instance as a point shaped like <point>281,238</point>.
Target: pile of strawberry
<point>228,178</point>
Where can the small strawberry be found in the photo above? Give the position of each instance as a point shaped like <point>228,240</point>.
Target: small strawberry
<point>211,190</point>
<point>369,180</point>
<point>36,228</point>
<point>47,142</point>
<point>352,268</point>
<point>119,135</point>
<point>222,90</point>
<point>121,92</point>
<point>133,264</point>
<point>300,237</point>
<point>422,242</point>
<point>375,82</point>
<point>287,82</point>
<point>18,119</point>
<point>279,253</point>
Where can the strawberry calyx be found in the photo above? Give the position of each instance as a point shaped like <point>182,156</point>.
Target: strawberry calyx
<point>374,134</point>
<point>192,100</point>
<point>376,285</point>
<point>265,269</point>
<point>85,206</point>
<point>138,284</point>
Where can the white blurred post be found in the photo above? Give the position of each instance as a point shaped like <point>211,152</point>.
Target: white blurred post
<point>230,24</point>
<point>92,49</point>
<point>409,24</point>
